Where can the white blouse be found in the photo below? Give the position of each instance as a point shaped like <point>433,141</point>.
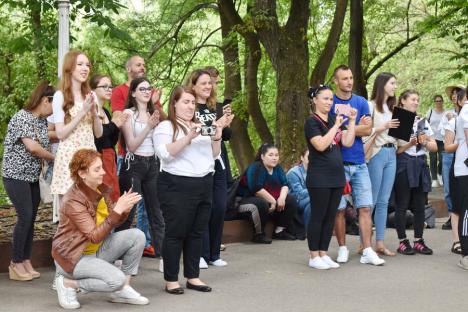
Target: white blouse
<point>194,160</point>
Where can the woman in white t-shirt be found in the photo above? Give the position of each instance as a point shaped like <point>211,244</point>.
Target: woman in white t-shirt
<point>461,177</point>
<point>185,187</point>
<point>413,181</point>
<point>434,117</point>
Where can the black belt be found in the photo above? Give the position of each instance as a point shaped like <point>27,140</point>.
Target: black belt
<point>388,145</point>
<point>348,163</point>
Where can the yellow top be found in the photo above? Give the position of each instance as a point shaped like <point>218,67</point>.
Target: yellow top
<point>101,215</point>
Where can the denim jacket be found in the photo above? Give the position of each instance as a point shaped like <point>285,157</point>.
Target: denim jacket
<point>296,178</point>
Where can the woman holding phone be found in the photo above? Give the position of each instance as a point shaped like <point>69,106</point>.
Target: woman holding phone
<point>208,111</point>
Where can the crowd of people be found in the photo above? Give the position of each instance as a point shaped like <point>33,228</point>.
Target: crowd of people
<point>172,170</point>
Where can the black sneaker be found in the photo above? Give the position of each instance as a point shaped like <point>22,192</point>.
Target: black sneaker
<point>447,225</point>
<point>283,235</point>
<point>420,247</point>
<point>261,239</point>
<point>405,248</point>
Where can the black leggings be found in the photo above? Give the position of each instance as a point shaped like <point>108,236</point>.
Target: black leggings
<point>462,185</point>
<point>435,159</point>
<point>408,198</point>
<point>25,196</point>
<point>323,206</point>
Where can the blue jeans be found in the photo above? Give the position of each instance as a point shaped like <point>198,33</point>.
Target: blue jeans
<point>447,159</point>
<point>382,169</point>
<point>358,176</point>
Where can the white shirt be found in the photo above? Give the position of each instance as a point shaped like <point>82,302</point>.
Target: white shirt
<point>146,147</point>
<point>57,107</point>
<point>194,160</point>
<point>412,151</point>
<point>434,117</point>
<point>446,124</point>
<point>462,151</point>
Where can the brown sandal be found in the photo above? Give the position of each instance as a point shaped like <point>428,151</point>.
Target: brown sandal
<point>385,252</point>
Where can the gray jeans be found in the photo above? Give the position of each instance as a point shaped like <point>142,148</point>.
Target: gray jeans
<point>96,273</point>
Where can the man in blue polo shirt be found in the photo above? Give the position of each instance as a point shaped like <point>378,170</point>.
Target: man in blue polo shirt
<point>355,168</point>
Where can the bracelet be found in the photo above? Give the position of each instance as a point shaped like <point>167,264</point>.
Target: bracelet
<point>216,140</point>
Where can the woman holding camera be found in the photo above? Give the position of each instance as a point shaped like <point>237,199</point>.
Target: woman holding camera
<point>185,187</point>
<point>200,81</point>
<point>84,247</point>
<point>413,179</point>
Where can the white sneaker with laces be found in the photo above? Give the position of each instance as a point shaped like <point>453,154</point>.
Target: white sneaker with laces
<point>219,263</point>
<point>343,254</point>
<point>128,295</point>
<point>369,256</point>
<point>318,263</point>
<point>66,295</point>
<point>440,180</point>
<point>435,183</point>
<point>330,262</point>
<point>203,264</point>
<point>161,266</point>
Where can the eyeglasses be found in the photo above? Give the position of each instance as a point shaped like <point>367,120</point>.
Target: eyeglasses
<point>438,101</point>
<point>107,88</point>
<point>143,89</point>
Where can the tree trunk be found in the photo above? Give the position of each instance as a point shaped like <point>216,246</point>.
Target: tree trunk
<point>240,143</point>
<point>288,52</point>
<point>253,57</point>
<point>37,34</point>
<point>320,70</point>
<point>356,37</point>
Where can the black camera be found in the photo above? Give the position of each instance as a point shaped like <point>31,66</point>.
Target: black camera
<point>208,130</point>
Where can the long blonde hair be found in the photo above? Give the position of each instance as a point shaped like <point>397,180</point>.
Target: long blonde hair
<point>65,84</point>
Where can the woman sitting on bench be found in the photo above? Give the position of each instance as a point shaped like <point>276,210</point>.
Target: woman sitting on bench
<point>264,185</point>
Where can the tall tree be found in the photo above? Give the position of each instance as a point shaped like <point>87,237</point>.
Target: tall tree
<point>286,47</point>
<point>356,41</point>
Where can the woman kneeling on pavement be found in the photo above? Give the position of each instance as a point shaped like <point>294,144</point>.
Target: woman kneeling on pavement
<point>84,249</point>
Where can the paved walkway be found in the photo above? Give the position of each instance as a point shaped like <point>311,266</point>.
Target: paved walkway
<point>276,278</point>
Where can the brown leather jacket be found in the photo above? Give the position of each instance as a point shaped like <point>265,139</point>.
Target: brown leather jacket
<point>77,226</point>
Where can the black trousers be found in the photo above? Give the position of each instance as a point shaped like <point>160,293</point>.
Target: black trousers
<point>408,198</point>
<point>214,232</point>
<point>186,205</point>
<point>323,206</point>
<point>25,196</point>
<point>282,218</point>
<point>435,159</point>
<point>462,185</point>
<point>142,172</point>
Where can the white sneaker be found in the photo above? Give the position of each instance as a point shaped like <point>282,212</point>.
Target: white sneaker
<point>66,295</point>
<point>128,295</point>
<point>161,266</point>
<point>219,263</point>
<point>435,183</point>
<point>369,256</point>
<point>330,262</point>
<point>343,254</point>
<point>318,263</point>
<point>203,264</point>
<point>440,180</point>
<point>54,283</point>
